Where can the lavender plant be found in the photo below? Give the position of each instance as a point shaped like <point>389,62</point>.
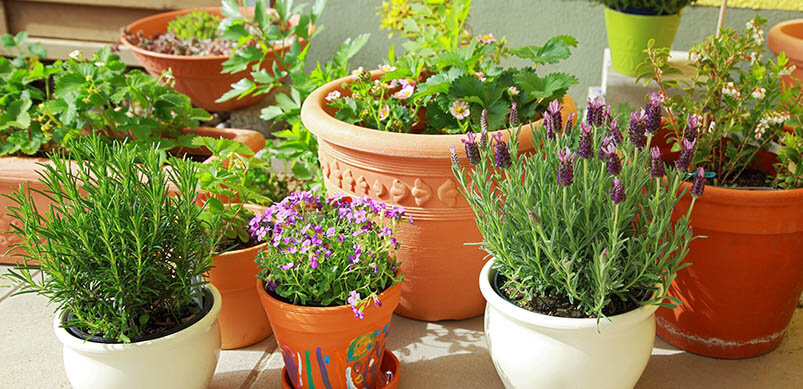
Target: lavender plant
<point>328,251</point>
<point>576,233</point>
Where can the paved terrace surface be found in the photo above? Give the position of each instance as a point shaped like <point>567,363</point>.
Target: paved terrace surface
<point>450,354</point>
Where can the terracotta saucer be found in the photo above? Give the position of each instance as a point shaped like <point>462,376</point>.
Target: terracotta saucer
<point>390,368</point>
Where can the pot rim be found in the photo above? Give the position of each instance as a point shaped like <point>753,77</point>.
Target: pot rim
<point>307,310</point>
<point>135,24</point>
<point>779,40</point>
<point>643,16</point>
<point>90,347</point>
<point>556,323</point>
<point>326,126</point>
<point>747,197</point>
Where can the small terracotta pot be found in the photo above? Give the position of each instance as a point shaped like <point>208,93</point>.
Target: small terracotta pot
<point>788,37</point>
<point>199,78</point>
<point>242,319</point>
<point>414,171</point>
<point>16,171</point>
<point>742,289</point>
<point>327,347</point>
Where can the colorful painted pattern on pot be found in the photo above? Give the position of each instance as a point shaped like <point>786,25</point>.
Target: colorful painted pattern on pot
<point>359,365</point>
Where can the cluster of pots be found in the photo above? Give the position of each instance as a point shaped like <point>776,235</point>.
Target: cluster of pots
<point>738,297</point>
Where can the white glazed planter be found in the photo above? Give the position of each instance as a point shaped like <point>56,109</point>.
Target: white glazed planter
<point>185,359</point>
<point>531,350</point>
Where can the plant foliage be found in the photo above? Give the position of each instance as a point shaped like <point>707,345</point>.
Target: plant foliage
<point>659,7</point>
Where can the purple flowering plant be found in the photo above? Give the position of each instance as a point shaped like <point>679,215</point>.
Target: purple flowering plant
<point>329,251</point>
<point>567,222</point>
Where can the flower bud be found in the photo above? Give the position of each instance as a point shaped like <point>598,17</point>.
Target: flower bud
<point>652,121</point>
<point>635,129</point>
<point>699,183</point>
<point>514,116</point>
<point>616,135</point>
<point>453,157</point>
<point>617,191</point>
<point>472,150</point>
<point>586,139</point>
<point>686,153</point>
<point>565,167</point>
<point>484,122</point>
<point>501,153</point>
<point>656,164</point>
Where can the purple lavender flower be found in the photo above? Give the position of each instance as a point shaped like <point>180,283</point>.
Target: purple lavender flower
<point>615,134</point>
<point>472,150</point>
<point>453,157</point>
<point>686,153</point>
<point>606,116</point>
<point>635,129</point>
<point>594,111</point>
<point>567,129</point>
<point>692,127</point>
<point>565,167</point>
<point>656,164</point>
<point>514,116</point>
<point>614,163</point>
<point>603,147</point>
<point>501,153</point>
<point>652,121</point>
<point>484,124</point>
<point>699,183</point>
<point>617,191</point>
<point>553,119</point>
<point>584,145</point>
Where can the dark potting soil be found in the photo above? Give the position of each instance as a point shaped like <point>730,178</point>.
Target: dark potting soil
<point>560,306</point>
<point>226,245</point>
<point>752,179</point>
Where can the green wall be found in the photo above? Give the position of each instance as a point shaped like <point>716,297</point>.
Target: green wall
<point>525,22</point>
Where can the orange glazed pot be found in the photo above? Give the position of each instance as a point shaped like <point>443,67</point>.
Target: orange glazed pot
<point>327,347</point>
<point>16,171</point>
<point>788,37</point>
<point>242,319</point>
<point>198,77</point>
<point>746,276</point>
<point>414,171</point>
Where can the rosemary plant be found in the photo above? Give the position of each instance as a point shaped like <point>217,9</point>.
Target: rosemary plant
<point>586,219</point>
<point>118,248</point>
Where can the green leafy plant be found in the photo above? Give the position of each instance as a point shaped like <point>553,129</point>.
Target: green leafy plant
<point>194,25</point>
<point>735,99</point>
<point>659,7</point>
<point>452,90</point>
<point>582,227</point>
<point>328,251</point>
<point>790,160</point>
<point>119,249</point>
<point>430,27</point>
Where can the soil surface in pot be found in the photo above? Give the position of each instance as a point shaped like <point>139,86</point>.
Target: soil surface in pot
<point>160,324</point>
<point>560,306</point>
<point>752,179</point>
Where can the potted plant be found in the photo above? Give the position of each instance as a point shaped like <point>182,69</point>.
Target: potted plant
<point>43,106</point>
<point>630,24</point>
<point>787,38</point>
<point>583,247</point>
<point>329,282</point>
<point>232,195</point>
<point>204,49</point>
<point>122,259</point>
<point>385,135</point>
<point>735,110</point>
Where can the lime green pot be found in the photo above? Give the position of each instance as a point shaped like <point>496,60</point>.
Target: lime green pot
<point>629,33</point>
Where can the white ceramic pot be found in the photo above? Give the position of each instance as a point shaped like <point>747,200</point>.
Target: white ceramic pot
<point>531,350</point>
<point>185,359</point>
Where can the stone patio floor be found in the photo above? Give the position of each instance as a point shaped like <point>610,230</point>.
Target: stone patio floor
<point>450,354</point>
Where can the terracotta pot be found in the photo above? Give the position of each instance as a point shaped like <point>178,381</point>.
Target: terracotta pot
<point>414,171</point>
<point>242,319</point>
<point>390,367</point>
<point>747,274</point>
<point>15,171</point>
<point>199,78</point>
<point>327,347</point>
<point>788,37</point>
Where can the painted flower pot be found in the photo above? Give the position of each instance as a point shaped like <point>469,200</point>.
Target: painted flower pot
<point>198,77</point>
<point>391,367</point>
<point>327,347</point>
<point>242,320</point>
<point>16,171</point>
<point>183,359</point>
<point>747,275</point>
<point>788,37</point>
<point>629,32</point>
<point>531,350</point>
<point>413,171</point>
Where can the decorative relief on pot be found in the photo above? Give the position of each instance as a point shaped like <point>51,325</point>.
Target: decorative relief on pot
<point>348,180</point>
<point>325,169</point>
<point>378,188</point>
<point>398,191</point>
<point>336,174</point>
<point>421,192</point>
<point>362,186</point>
<point>448,193</point>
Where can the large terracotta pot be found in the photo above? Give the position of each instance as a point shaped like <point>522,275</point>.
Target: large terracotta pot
<point>183,360</point>
<point>16,171</point>
<point>327,347</point>
<point>532,350</point>
<point>414,171</point>
<point>199,78</point>
<point>742,289</point>
<point>242,319</point>
<point>788,37</point>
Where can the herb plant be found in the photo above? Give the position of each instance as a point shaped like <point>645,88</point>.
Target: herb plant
<point>118,249</point>
<point>194,25</point>
<point>660,7</point>
<point>195,34</point>
<point>790,161</point>
<point>736,101</point>
<point>584,220</point>
<point>328,251</point>
<point>430,27</point>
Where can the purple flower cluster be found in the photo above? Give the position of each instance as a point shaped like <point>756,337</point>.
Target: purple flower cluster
<point>566,160</point>
<point>617,191</point>
<point>692,127</point>
<point>553,119</point>
<point>501,153</point>
<point>586,141</point>
<point>514,116</point>
<point>607,153</point>
<point>686,154</point>
<point>595,111</point>
<point>656,163</point>
<point>472,149</point>
<point>636,129</point>
<point>616,135</point>
<point>699,183</point>
<point>453,156</point>
<point>652,121</point>
<point>567,129</point>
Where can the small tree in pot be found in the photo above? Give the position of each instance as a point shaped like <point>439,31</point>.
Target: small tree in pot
<point>584,249</point>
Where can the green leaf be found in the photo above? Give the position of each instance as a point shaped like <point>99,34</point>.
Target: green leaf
<point>235,32</point>
<point>545,87</point>
<point>270,112</point>
<point>239,88</point>
<point>317,10</point>
<point>214,205</point>
<point>553,51</point>
<point>465,86</point>
<point>349,48</point>
<point>230,9</point>
<point>261,14</point>
<point>8,41</point>
<point>300,171</point>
